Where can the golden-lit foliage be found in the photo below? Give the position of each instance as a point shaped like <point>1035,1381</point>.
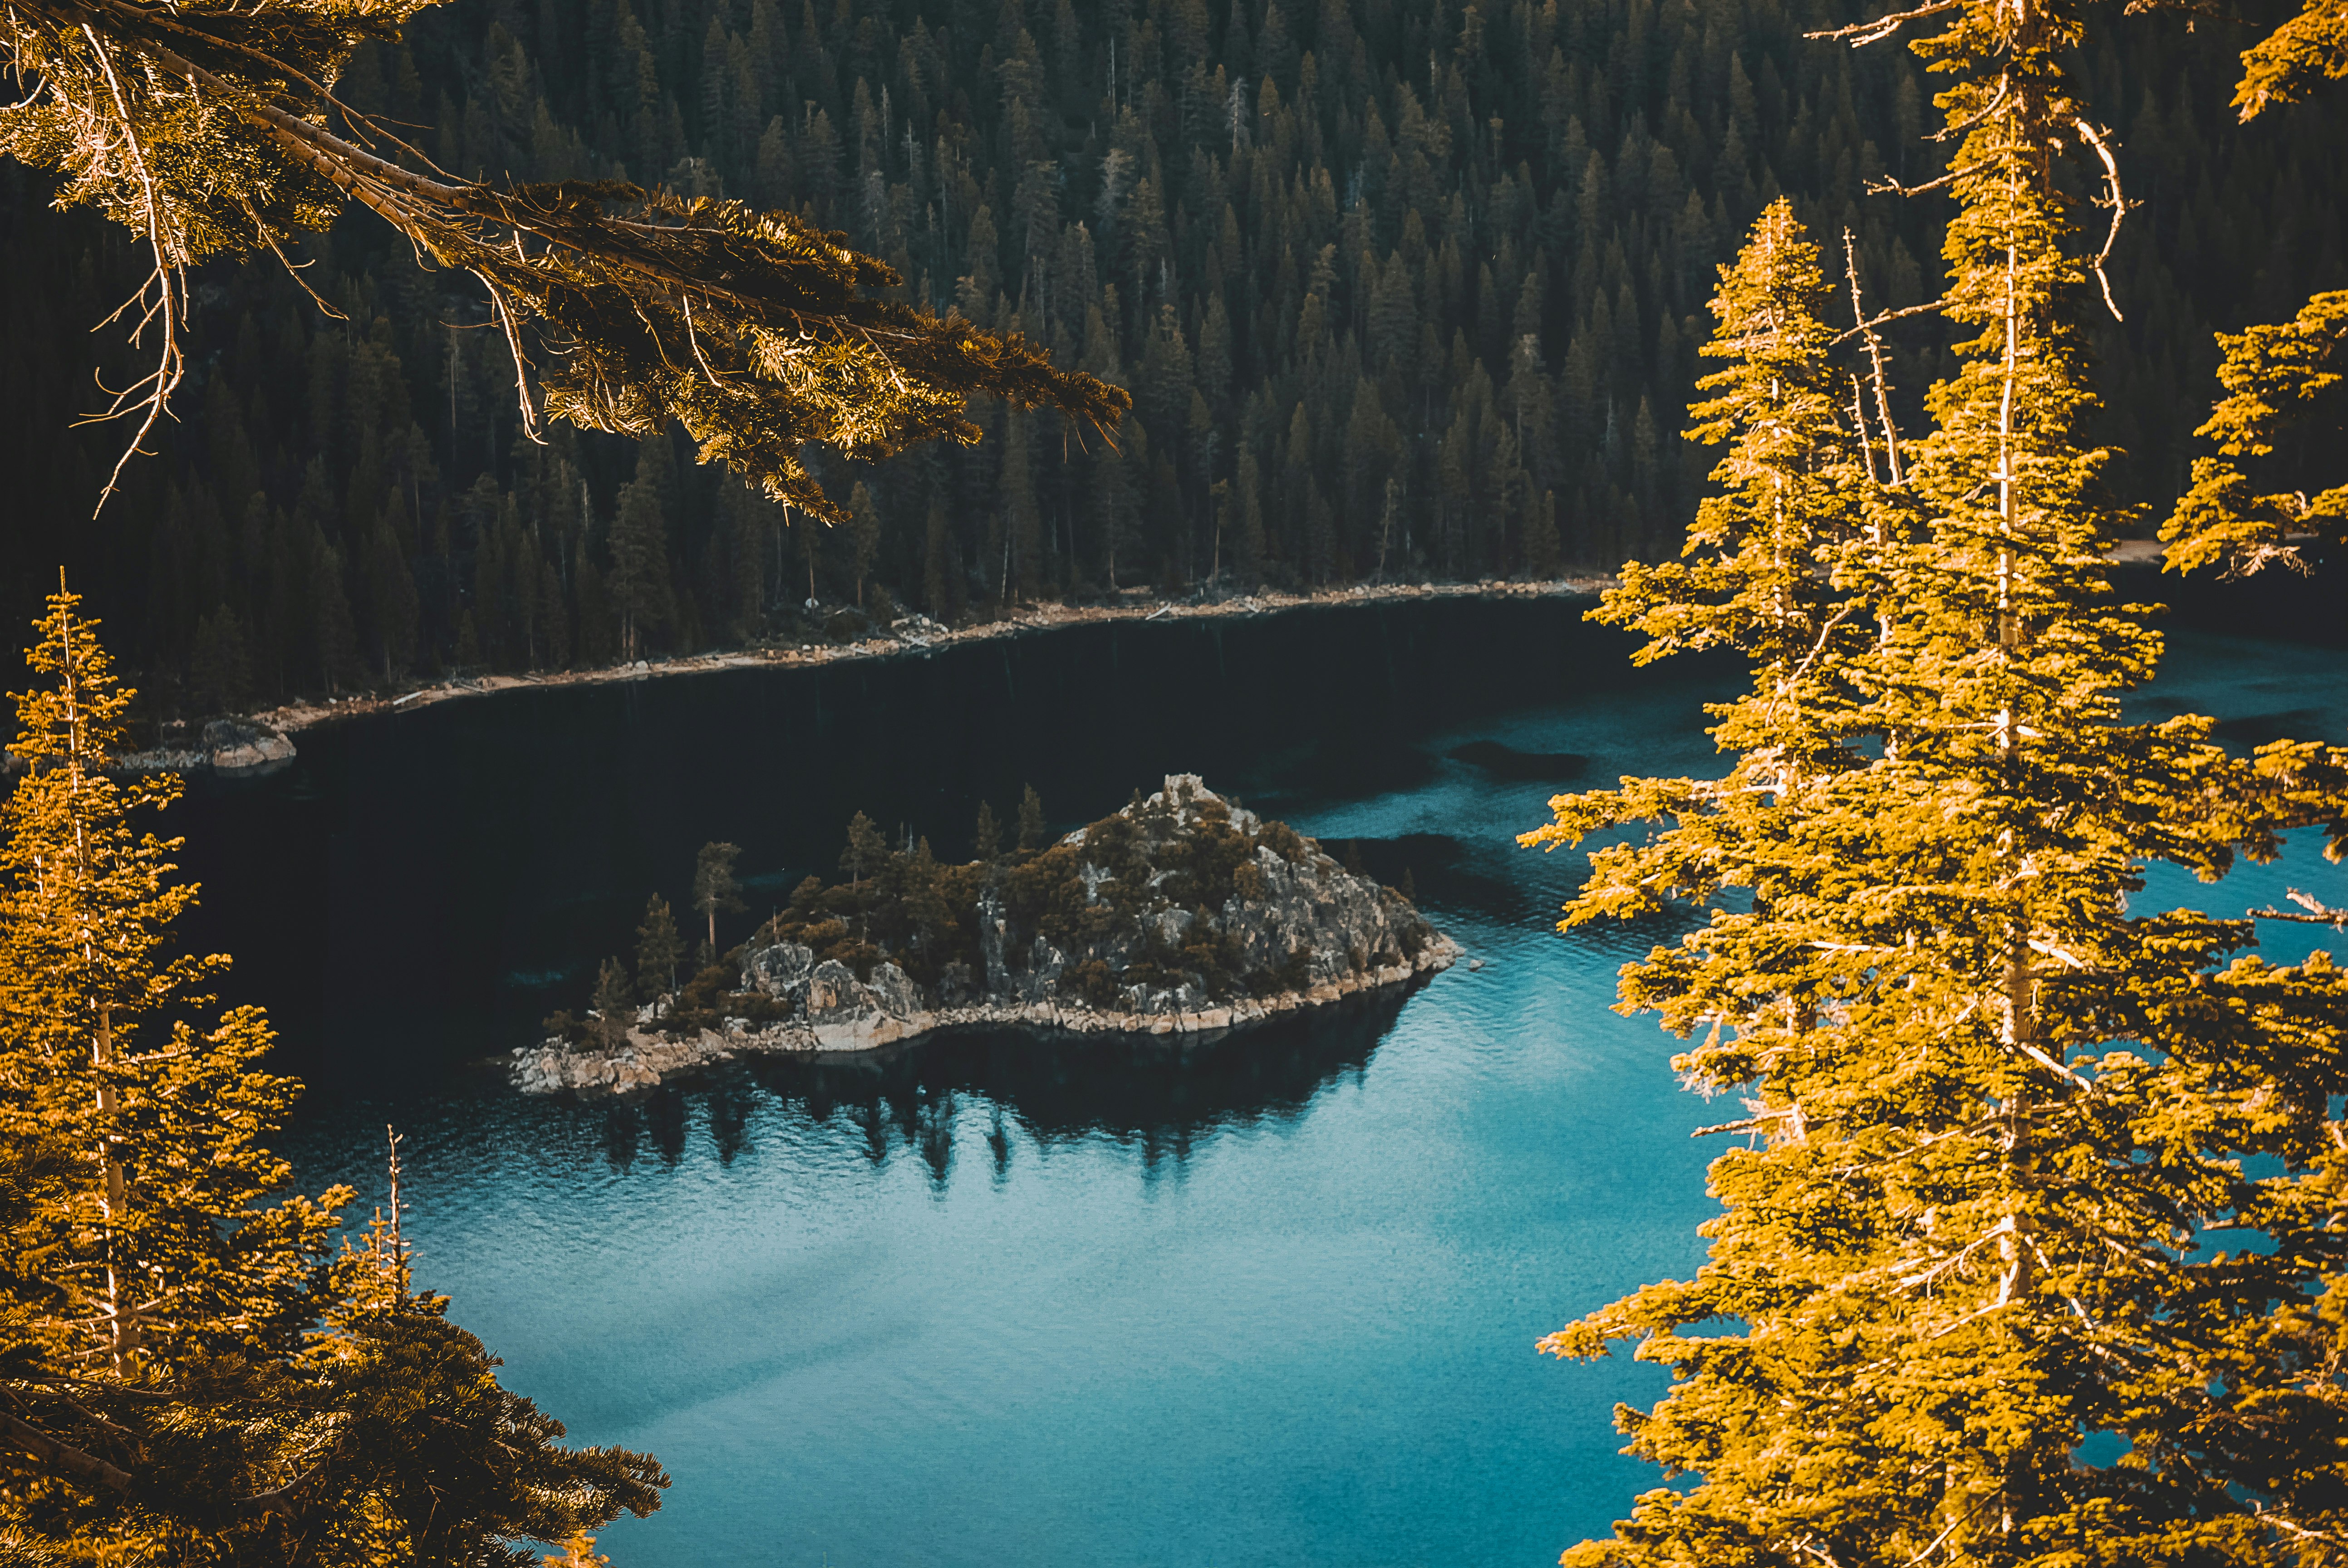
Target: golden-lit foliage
<point>210,128</point>
<point>190,1372</point>
<point>2275,376</point>
<point>2000,1127</point>
<point>2280,68</point>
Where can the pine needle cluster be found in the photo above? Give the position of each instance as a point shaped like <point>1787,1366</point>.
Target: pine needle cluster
<point>212,128</point>
<point>2276,376</point>
<point>2025,1166</point>
<point>190,1370</point>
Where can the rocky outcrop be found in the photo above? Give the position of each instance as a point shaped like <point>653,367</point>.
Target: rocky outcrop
<point>1293,928</point>
<point>236,746</point>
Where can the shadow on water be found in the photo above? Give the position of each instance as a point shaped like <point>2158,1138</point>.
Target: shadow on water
<point>1160,1095</point>
<point>1443,873</point>
<point>1521,767</point>
<point>2254,730</point>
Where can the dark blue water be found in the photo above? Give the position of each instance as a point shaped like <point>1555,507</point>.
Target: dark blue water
<point>994,1300</point>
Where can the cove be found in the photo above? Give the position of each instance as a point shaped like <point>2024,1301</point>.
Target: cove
<point>993,1299</point>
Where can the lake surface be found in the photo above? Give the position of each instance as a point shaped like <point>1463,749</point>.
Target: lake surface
<point>996,1301</point>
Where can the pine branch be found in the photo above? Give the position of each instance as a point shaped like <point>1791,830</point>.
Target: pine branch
<point>621,309</point>
<point>62,1457</point>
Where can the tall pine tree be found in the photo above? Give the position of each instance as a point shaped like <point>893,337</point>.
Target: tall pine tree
<point>2001,1126</point>
<point>187,1372</point>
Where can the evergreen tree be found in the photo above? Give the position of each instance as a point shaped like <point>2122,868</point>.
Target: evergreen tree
<point>1778,562</point>
<point>188,1373</point>
<point>658,950</point>
<point>1032,831</point>
<point>987,840</point>
<point>865,851</point>
<point>639,580</point>
<point>939,566</point>
<point>220,678</point>
<point>614,1003</point>
<point>1998,1120</point>
<point>2275,378</point>
<point>715,890</point>
<point>100,1051</point>
<point>863,535</point>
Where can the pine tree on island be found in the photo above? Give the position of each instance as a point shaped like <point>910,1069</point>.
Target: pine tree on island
<point>1031,831</point>
<point>715,890</point>
<point>659,949</point>
<point>614,1002</point>
<point>865,851</point>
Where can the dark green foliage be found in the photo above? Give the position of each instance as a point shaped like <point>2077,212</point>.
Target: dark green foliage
<point>1031,819</point>
<point>865,851</point>
<point>1108,890</point>
<point>706,995</point>
<point>561,1025</point>
<point>622,307</point>
<point>1325,257</point>
<point>986,839</point>
<point>658,950</point>
<point>614,1003</point>
<point>715,890</point>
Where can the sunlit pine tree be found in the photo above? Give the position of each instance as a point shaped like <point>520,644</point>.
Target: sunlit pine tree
<point>189,1373</point>
<point>1999,1122</point>
<point>167,1240</point>
<point>2276,375</point>
<point>1783,562</point>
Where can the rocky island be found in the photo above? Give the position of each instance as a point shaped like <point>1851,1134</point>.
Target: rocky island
<point>1180,913</point>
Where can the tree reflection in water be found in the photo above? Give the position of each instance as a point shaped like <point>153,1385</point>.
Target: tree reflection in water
<point>1159,1095</point>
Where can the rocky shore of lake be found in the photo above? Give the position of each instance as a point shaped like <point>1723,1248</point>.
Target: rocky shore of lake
<point>229,748</point>
<point>1295,930</point>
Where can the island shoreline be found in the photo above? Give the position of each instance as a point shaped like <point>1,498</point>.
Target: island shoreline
<point>648,1059</point>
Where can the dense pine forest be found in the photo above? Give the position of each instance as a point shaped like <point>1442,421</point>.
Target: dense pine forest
<point>1401,289</point>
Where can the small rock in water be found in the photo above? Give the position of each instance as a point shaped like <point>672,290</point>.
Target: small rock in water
<point>1475,963</point>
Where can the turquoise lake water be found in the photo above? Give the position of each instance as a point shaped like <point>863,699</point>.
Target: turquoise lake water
<point>999,1301</point>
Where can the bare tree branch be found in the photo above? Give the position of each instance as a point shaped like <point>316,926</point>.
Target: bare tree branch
<point>1866,329</point>
<point>2115,201</point>
<point>1862,34</point>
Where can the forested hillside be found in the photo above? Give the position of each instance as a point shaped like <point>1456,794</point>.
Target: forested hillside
<point>1401,289</point>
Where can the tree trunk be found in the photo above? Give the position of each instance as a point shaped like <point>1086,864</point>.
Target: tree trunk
<point>121,1315</point>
